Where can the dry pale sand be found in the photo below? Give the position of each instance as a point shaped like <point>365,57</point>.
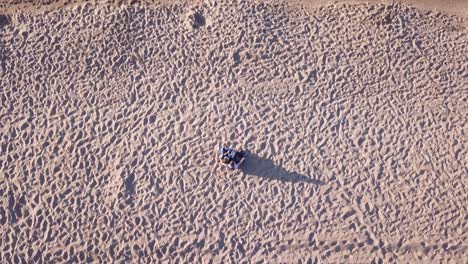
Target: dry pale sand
<point>355,116</point>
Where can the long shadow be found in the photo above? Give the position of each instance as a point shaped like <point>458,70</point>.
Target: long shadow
<point>265,168</point>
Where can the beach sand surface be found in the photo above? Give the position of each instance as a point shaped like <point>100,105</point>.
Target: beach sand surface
<point>354,116</point>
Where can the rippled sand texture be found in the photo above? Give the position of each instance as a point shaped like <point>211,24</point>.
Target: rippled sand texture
<point>355,117</point>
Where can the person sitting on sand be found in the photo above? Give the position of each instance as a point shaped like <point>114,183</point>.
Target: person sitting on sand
<point>231,158</point>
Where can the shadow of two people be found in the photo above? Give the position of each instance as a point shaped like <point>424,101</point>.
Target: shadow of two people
<point>265,168</point>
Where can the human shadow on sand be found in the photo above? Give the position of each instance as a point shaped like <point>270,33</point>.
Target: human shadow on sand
<point>265,168</point>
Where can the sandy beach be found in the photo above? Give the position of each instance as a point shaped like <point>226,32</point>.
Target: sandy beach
<point>354,115</point>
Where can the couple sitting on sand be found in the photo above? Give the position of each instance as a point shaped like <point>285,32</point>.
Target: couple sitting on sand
<point>231,158</point>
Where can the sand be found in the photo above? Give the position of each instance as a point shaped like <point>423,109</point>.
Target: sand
<point>354,115</point>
